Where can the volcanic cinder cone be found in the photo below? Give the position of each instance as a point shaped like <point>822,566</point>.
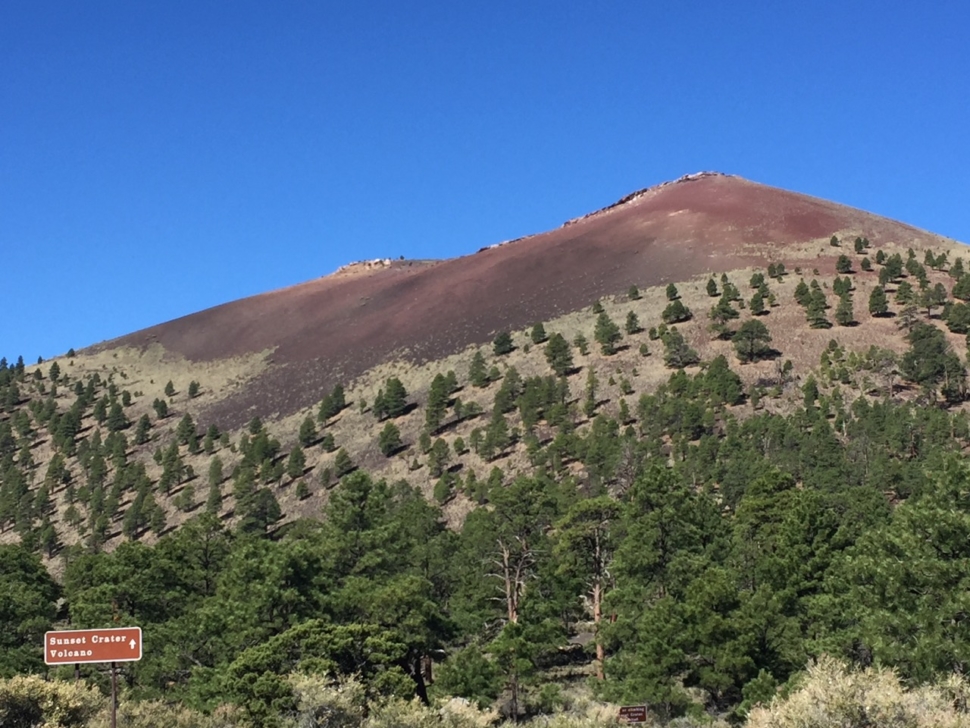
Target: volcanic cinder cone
<point>336,327</point>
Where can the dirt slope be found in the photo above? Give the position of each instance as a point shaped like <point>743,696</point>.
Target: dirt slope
<point>334,328</point>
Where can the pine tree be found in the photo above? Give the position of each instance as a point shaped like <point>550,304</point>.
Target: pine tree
<point>878,304</point>
<point>559,355</point>
<point>185,429</point>
<point>815,311</point>
<point>961,289</point>
<point>477,374</point>
<point>332,404</point>
<point>496,436</point>
<point>141,430</point>
<point>844,315</point>
<point>751,341</point>
<point>866,264</point>
<point>170,389</point>
<point>502,344</point>
<point>672,294</point>
<point>380,406</point>
<point>624,414</point>
<point>342,463</point>
<point>538,334</point>
<point>193,389</point>
<point>802,293</point>
<point>632,325</point>
<point>677,354</point>
<point>607,334</point>
<point>958,318</point>
<point>296,463</point>
<point>116,420</point>
<point>262,511</point>
<point>158,520</point>
<point>308,432</point>
<point>438,458</point>
<point>213,502</point>
<point>580,342</point>
<point>930,363</point>
<point>721,314</point>
<point>509,392</point>
<point>389,440</point>
<point>757,304</point>
<point>908,318</point>
<point>135,519</point>
<point>437,405</point>
<point>395,397</point>
<point>712,288</point>
<point>589,401</point>
<point>161,408</point>
<point>634,293</point>
<point>905,294</point>
<point>186,498</point>
<point>337,398</point>
<point>676,312</point>
<point>933,298</point>
<point>100,411</point>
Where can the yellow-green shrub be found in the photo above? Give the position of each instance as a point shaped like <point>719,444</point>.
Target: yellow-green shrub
<point>455,713</point>
<point>321,701</point>
<point>157,713</point>
<point>830,695</point>
<point>32,702</point>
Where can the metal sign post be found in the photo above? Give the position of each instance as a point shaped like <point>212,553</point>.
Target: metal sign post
<point>114,697</point>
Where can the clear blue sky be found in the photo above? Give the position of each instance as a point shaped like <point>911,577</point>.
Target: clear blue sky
<point>158,158</point>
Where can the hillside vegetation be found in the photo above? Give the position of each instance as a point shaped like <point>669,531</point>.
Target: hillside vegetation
<point>678,496</point>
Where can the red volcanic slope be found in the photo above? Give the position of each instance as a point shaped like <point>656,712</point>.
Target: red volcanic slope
<point>336,327</point>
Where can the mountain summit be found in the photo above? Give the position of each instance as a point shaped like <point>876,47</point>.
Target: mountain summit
<point>336,327</point>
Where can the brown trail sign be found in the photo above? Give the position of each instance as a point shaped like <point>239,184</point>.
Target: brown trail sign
<point>74,646</point>
<point>633,714</point>
<point>113,644</point>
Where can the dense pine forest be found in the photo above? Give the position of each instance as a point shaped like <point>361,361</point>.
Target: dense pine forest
<point>693,547</point>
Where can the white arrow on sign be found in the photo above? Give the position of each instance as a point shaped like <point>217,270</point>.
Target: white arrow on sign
<point>132,644</point>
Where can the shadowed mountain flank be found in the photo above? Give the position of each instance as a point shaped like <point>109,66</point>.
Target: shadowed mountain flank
<point>334,328</point>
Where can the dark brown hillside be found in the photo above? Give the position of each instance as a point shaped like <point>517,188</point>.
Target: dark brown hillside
<point>337,327</point>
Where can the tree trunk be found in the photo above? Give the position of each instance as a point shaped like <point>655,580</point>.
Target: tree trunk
<point>597,618</point>
<point>415,667</point>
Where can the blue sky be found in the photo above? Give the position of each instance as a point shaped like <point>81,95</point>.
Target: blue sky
<point>160,158</point>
